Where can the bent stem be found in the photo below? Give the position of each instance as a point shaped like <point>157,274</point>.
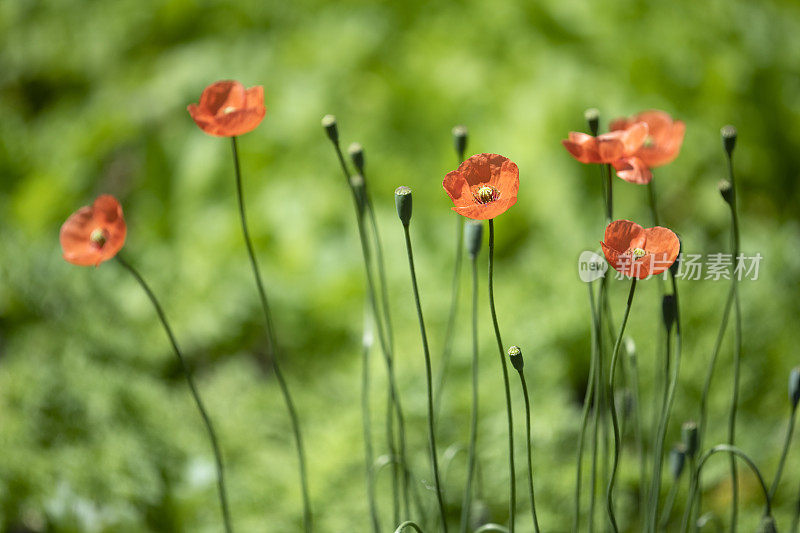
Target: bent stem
<point>473,426</point>
<point>223,498</point>
<point>512,504</point>
<point>272,343</point>
<point>528,443</point>
<point>407,524</point>
<point>787,441</point>
<point>429,379</point>
<point>612,402</point>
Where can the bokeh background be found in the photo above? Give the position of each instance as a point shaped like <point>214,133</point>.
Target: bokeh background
<point>97,429</point>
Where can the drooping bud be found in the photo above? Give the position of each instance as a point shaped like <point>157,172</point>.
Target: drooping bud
<point>794,386</point>
<point>592,116</point>
<point>728,139</point>
<point>677,460</point>
<point>473,237</point>
<point>690,437</point>
<point>402,199</point>
<point>359,189</point>
<point>669,310</point>
<point>460,135</point>
<point>726,190</point>
<point>356,152</point>
<point>515,354</point>
<point>767,525</point>
<point>329,123</point>
<point>676,266</point>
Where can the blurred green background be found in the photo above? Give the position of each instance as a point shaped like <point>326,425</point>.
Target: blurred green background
<point>97,429</point>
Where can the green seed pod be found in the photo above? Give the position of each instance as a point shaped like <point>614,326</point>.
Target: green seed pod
<point>592,116</point>
<point>515,354</point>
<point>767,525</point>
<point>473,237</point>
<point>669,311</point>
<point>794,386</point>
<point>329,123</point>
<point>726,190</point>
<point>728,139</point>
<point>677,460</point>
<point>356,152</point>
<point>690,438</point>
<point>402,199</point>
<point>460,136</point>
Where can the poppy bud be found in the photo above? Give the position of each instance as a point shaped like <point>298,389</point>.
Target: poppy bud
<point>794,386</point>
<point>515,354</point>
<point>357,156</point>
<point>592,116</point>
<point>726,190</point>
<point>359,189</point>
<point>728,139</point>
<point>668,311</point>
<point>676,266</point>
<point>329,123</point>
<point>677,460</point>
<point>460,140</point>
<point>473,236</point>
<point>690,438</point>
<point>767,525</point>
<point>402,199</point>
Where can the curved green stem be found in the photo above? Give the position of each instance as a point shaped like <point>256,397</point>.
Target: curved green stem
<point>272,347</point>
<point>512,504</point>
<point>486,528</point>
<point>473,426</point>
<point>529,445</point>
<point>429,379</point>
<point>223,498</point>
<point>673,491</point>
<point>408,523</point>
<point>787,441</point>
<point>612,401</point>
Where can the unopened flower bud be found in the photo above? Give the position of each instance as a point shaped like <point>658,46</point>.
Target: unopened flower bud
<point>690,437</point>
<point>767,525</point>
<point>592,116</point>
<point>460,135</point>
<point>669,311</point>
<point>677,460</point>
<point>357,156</point>
<point>728,138</point>
<point>515,354</point>
<point>473,237</point>
<point>402,199</point>
<point>794,386</point>
<point>329,123</point>
<point>726,190</point>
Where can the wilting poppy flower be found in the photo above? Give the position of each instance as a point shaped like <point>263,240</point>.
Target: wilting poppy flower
<point>608,147</point>
<point>483,186</point>
<point>638,252</point>
<point>226,109</point>
<point>664,136</point>
<point>95,233</point>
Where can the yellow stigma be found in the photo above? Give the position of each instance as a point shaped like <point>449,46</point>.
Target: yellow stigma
<point>98,237</point>
<point>486,194</point>
<point>638,253</point>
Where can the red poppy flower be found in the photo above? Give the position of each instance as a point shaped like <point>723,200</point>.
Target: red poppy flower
<point>664,137</point>
<point>637,252</point>
<point>608,147</point>
<point>226,109</point>
<point>483,186</point>
<point>95,233</point>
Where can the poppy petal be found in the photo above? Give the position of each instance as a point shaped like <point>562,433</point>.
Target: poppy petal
<point>633,170</point>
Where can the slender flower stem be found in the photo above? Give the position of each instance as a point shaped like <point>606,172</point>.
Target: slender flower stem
<point>614,421</point>
<point>429,378</point>
<point>634,377</point>
<point>784,453</point>
<point>486,528</point>
<point>512,504</point>
<point>736,452</point>
<point>473,426</point>
<point>795,527</point>
<point>587,401</point>
<point>673,491</point>
<point>223,498</point>
<point>272,344</point>
<point>366,421</point>
<point>651,196</point>
<point>528,443</point>
<point>609,195</point>
<point>407,524</point>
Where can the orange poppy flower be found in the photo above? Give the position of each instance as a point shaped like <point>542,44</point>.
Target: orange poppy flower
<point>664,136</point>
<point>638,252</point>
<point>226,109</point>
<point>95,233</point>
<point>483,186</point>
<point>608,147</point>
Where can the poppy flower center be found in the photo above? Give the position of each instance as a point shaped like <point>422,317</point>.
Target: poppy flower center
<point>485,194</point>
<point>99,237</point>
<point>638,253</point>
<point>228,110</point>
<point>649,142</point>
